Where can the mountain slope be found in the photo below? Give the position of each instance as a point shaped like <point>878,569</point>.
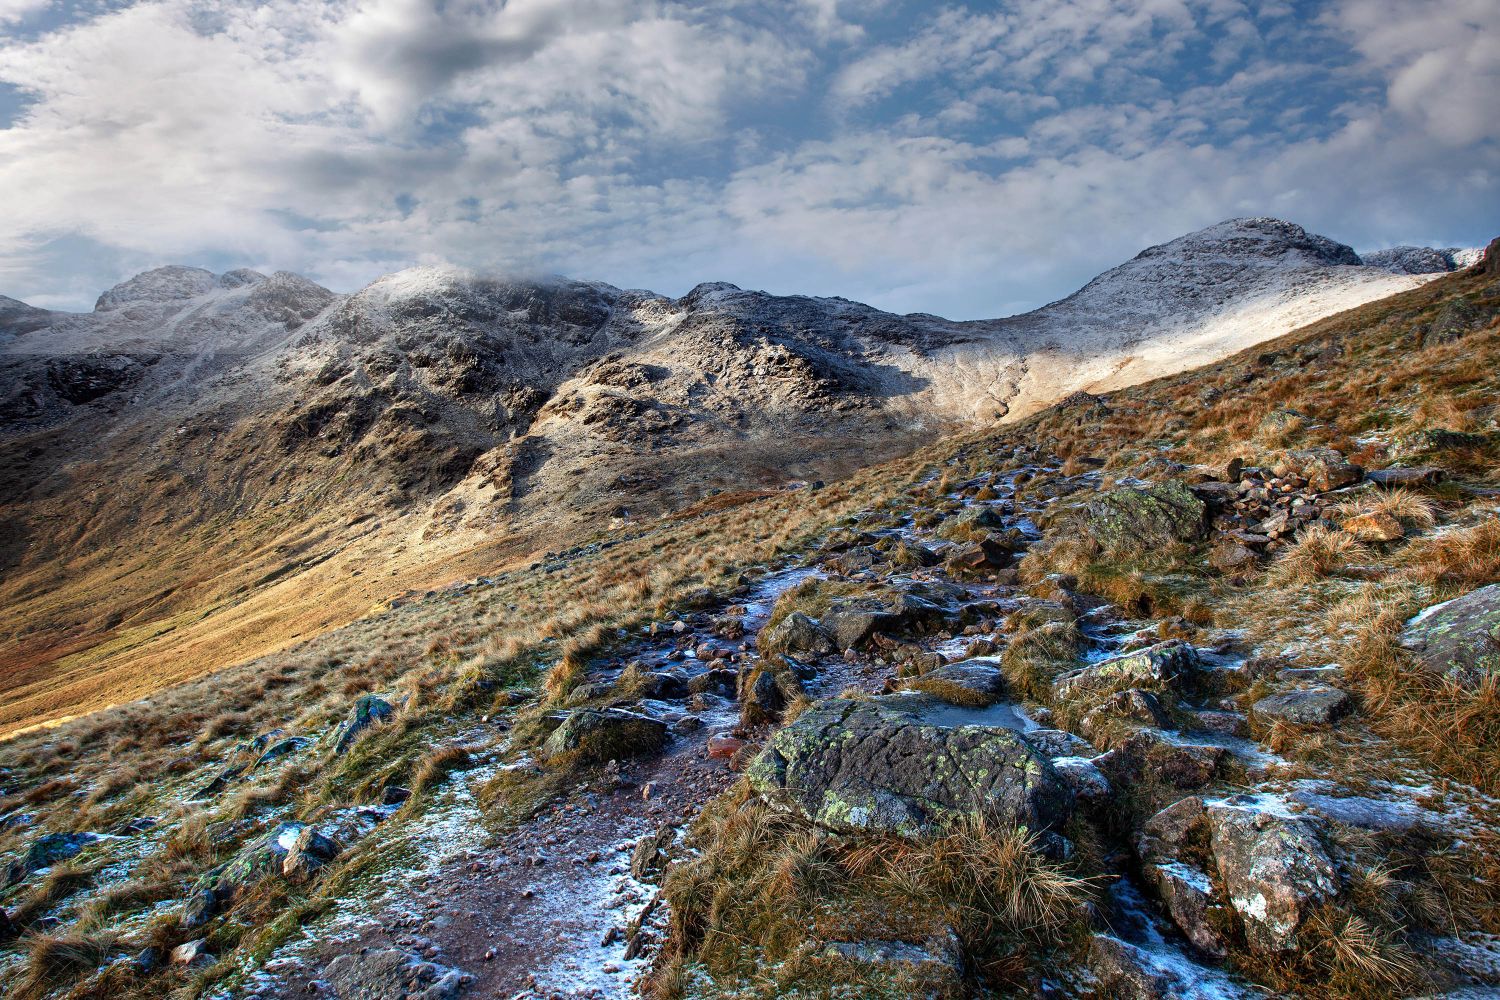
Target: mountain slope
<point>205,466</point>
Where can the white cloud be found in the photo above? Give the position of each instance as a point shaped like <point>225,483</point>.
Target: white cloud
<point>945,160</point>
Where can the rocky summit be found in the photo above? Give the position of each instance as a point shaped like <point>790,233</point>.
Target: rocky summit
<point>477,637</point>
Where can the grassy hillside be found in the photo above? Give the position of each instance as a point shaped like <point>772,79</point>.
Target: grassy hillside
<point>476,675</point>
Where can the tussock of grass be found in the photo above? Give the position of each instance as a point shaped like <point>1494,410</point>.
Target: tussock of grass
<point>1318,552</point>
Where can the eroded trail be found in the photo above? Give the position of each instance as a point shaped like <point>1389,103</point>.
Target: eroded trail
<point>560,904</point>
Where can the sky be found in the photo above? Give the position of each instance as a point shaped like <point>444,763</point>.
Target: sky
<point>969,161</point>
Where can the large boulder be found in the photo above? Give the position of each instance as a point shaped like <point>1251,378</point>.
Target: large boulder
<point>594,736</point>
<point>796,633</point>
<point>1435,439</point>
<point>900,765</point>
<point>1274,866</point>
<point>367,710</point>
<point>852,626</point>
<point>1134,519</point>
<point>1460,638</point>
<point>1155,666</point>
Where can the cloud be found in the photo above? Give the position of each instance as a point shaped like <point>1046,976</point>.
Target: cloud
<point>949,160</point>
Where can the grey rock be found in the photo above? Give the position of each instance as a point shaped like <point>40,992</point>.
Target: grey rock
<point>851,627</point>
<point>796,633</point>
<point>391,974</point>
<point>593,736</point>
<point>1155,666</point>
<point>193,954</point>
<point>1459,639</point>
<point>1140,519</point>
<point>1058,743</point>
<point>46,851</point>
<point>931,968</point>
<point>1132,706</point>
<point>882,765</point>
<point>651,854</point>
<point>1274,867</point>
<point>1315,706</point>
<point>964,683</point>
<point>366,711</point>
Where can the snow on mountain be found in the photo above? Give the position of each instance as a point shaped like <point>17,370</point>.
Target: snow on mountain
<point>1424,260</point>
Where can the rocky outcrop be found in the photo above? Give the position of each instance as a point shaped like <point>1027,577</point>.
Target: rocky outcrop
<point>1314,706</point>
<point>1154,666</point>
<point>892,765</point>
<point>366,711</point>
<point>1459,639</point>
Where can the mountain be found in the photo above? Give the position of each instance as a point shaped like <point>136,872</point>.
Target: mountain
<point>226,453</point>
<point>1186,689</point>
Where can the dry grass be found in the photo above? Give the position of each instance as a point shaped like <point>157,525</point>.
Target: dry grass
<point>1412,508</point>
<point>1318,552</point>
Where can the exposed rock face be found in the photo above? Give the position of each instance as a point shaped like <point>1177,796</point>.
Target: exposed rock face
<point>1421,260</point>
<point>594,736</point>
<point>1460,638</point>
<point>1275,869</point>
<point>388,974</point>
<point>885,765</point>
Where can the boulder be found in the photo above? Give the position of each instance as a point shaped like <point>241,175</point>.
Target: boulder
<point>281,748</point>
<point>1324,468</point>
<point>367,710</point>
<point>1274,867</point>
<point>1314,706</point>
<point>796,633</point>
<point>1141,519</point>
<point>851,627</point>
<point>964,683</point>
<point>1147,753</point>
<point>593,736</point>
<point>1132,707</point>
<point>200,908</point>
<point>1187,896</point>
<point>193,954</point>
<point>389,974</point>
<point>891,765</point>
<point>1160,665</point>
<point>1057,743</point>
<point>1459,639</point>
<point>652,853</point>
<point>308,853</point>
<point>1124,971</point>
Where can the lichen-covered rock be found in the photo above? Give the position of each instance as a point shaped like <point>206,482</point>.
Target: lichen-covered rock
<point>1154,666</point>
<point>1314,706</point>
<point>1460,638</point>
<point>367,710</point>
<point>281,748</point>
<point>1140,519</point>
<point>1274,867</point>
<point>964,683</point>
<point>390,974</point>
<point>885,765</point>
<point>796,633</point>
<point>593,736</point>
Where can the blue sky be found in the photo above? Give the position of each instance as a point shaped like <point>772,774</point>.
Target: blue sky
<point>964,160</point>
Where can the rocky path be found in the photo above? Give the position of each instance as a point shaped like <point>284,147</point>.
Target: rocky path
<point>549,908</point>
